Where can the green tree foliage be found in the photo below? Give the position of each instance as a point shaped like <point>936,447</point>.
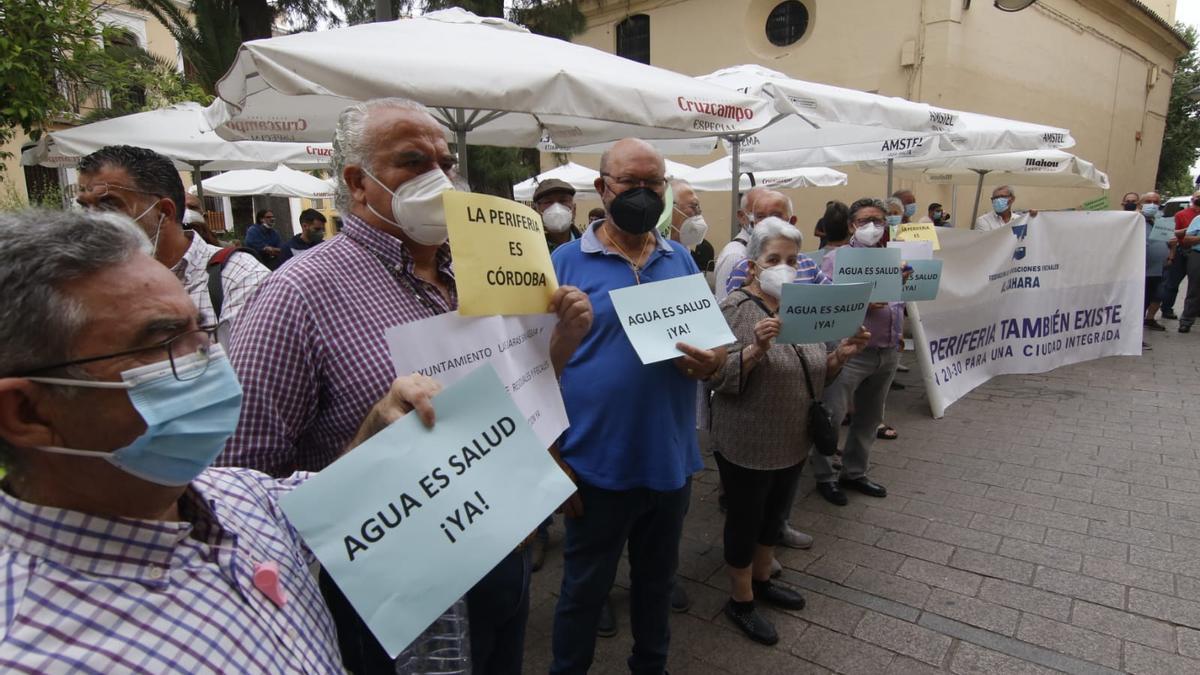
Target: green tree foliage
<point>209,38</point>
<point>50,57</point>
<point>1181,138</point>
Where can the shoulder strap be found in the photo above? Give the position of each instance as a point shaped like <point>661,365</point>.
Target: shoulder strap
<point>216,264</point>
<point>803,364</point>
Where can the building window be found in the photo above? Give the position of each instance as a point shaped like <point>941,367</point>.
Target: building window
<point>787,23</point>
<point>633,38</point>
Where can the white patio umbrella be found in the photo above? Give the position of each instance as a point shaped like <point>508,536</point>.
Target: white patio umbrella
<point>280,182</point>
<point>179,132</point>
<point>1037,168</point>
<point>489,81</point>
<point>717,176</point>
<point>582,179</point>
<point>816,117</point>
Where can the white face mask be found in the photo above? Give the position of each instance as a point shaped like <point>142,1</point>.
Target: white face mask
<point>772,279</point>
<point>692,230</point>
<point>157,229</point>
<point>417,207</point>
<point>557,218</point>
<point>868,235</point>
<point>191,216</point>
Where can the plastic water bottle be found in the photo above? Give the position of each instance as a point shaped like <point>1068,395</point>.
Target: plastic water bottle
<point>443,649</point>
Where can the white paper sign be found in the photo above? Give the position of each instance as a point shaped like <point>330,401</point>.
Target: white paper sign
<point>448,346</point>
<point>913,250</point>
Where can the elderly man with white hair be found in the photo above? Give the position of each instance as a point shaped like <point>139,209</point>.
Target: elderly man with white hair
<point>120,549</point>
<point>735,251</point>
<point>310,347</point>
<point>1001,215</point>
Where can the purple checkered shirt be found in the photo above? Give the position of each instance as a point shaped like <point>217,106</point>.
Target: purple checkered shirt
<point>309,348</point>
<point>89,594</point>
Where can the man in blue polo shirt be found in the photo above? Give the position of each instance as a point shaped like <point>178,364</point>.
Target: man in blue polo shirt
<point>631,446</point>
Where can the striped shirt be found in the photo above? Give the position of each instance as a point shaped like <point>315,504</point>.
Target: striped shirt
<point>90,594</point>
<point>240,277</point>
<point>807,272</point>
<point>310,352</point>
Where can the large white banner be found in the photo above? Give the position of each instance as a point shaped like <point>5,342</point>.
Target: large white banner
<point>1065,288</point>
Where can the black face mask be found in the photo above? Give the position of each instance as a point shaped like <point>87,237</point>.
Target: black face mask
<point>1130,206</point>
<point>636,211</point>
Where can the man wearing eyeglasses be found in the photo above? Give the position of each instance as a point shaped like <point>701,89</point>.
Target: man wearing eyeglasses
<point>145,186</point>
<point>631,446</point>
<point>312,357</point>
<point>120,549</point>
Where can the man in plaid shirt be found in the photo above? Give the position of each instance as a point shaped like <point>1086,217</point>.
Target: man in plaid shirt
<point>120,550</point>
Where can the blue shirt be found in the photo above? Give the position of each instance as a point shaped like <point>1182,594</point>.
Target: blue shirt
<point>807,272</point>
<point>1156,253</point>
<point>259,235</point>
<point>632,425</point>
<point>1194,230</point>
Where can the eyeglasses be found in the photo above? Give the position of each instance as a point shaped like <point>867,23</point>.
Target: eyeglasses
<point>869,221</point>
<point>196,344</point>
<point>98,191</point>
<point>631,183</point>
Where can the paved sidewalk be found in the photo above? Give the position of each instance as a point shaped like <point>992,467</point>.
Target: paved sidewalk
<point>1048,523</point>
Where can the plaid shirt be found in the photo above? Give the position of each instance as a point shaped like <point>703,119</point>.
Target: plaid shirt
<point>89,594</point>
<point>240,276</point>
<point>310,352</point>
<point>807,272</point>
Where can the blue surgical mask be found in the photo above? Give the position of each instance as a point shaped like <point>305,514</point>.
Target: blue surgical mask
<point>893,221</point>
<point>1150,210</point>
<point>937,215</point>
<point>1000,204</point>
<point>187,422</point>
<point>910,210</point>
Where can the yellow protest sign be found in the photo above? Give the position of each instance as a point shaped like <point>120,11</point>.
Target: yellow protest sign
<point>919,232</point>
<point>501,261</point>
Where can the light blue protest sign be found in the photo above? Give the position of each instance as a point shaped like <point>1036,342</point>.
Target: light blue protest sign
<point>1163,229</point>
<point>407,522</point>
<point>923,283</point>
<point>877,266</point>
<point>820,313</point>
<point>659,314</point>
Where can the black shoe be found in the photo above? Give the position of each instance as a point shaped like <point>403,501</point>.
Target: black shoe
<point>1184,329</point>
<point>778,596</point>
<point>897,386</point>
<point>1169,314</point>
<point>608,620</point>
<point>722,502</point>
<point>680,602</point>
<point>832,493</point>
<point>1153,325</point>
<point>865,486</point>
<point>754,625</point>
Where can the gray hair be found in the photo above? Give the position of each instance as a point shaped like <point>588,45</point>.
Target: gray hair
<point>893,203</point>
<point>771,228</point>
<point>678,183</point>
<point>40,252</point>
<point>1005,187</point>
<point>866,203</point>
<point>351,145</point>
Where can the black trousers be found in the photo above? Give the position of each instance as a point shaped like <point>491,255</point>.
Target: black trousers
<point>757,504</point>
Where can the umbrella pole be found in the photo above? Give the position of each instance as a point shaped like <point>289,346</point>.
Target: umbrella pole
<point>199,183</point>
<point>891,162</point>
<point>735,169</point>
<point>978,194</point>
<point>460,133</point>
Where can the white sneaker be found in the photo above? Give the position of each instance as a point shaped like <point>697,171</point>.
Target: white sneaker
<point>794,538</point>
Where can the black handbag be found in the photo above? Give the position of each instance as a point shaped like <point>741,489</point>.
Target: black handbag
<point>821,431</point>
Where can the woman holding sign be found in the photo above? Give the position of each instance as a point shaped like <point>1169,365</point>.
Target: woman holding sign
<point>764,387</point>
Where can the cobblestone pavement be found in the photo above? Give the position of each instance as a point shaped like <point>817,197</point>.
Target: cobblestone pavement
<point>1049,523</point>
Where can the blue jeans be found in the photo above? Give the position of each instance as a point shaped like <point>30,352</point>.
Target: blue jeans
<point>1173,276</point>
<point>498,607</point>
<point>652,523</point>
